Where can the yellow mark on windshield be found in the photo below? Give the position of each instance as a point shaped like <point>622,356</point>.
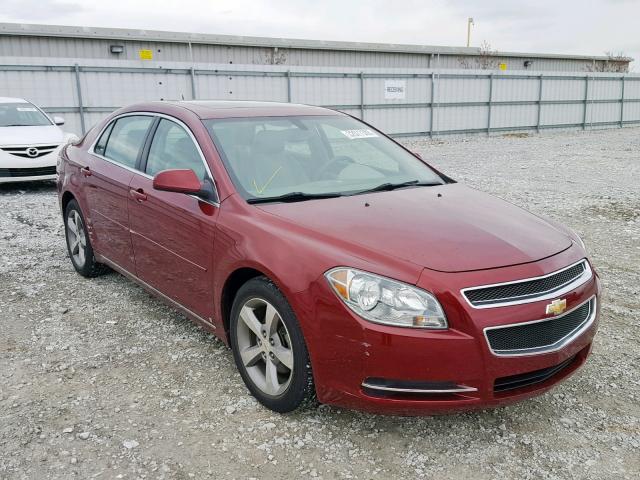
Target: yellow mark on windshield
<point>264,187</point>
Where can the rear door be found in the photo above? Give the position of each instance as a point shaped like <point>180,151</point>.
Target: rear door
<point>109,171</point>
<point>173,233</point>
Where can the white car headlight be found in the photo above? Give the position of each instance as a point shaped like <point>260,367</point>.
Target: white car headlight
<point>382,300</point>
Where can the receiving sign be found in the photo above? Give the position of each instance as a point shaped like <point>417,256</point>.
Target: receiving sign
<point>395,89</point>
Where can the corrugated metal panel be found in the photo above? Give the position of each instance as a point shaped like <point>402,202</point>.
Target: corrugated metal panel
<point>46,89</point>
<point>515,89</point>
<point>460,118</point>
<point>562,89</point>
<point>98,48</point>
<point>399,120</point>
<point>510,116</point>
<point>462,89</point>
<point>631,112</point>
<point>233,87</point>
<point>418,90</point>
<point>461,97</point>
<point>603,112</point>
<point>562,114</point>
<point>326,91</point>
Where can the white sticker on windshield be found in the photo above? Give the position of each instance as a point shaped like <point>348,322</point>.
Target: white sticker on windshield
<point>359,133</point>
<point>26,109</point>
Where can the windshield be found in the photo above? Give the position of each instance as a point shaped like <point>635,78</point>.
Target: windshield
<point>311,156</point>
<point>21,115</point>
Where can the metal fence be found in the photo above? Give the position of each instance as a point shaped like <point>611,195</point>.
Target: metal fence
<point>398,101</point>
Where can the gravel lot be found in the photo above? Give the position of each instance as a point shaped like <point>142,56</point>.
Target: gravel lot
<point>100,380</point>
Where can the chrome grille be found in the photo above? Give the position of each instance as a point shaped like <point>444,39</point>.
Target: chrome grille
<point>529,290</point>
<point>30,151</point>
<point>541,336</point>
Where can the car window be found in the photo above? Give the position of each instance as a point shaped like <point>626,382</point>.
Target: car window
<point>268,157</point>
<point>364,151</point>
<point>127,138</point>
<point>21,114</point>
<point>173,148</point>
<point>102,142</point>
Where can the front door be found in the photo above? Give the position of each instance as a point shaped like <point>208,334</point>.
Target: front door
<point>173,233</point>
<point>108,172</point>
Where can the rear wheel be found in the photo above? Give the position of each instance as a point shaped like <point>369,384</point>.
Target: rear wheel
<point>79,244</point>
<point>269,349</point>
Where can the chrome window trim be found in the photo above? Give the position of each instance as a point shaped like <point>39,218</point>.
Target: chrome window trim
<point>586,275</point>
<point>459,389</point>
<point>557,345</point>
<point>181,124</point>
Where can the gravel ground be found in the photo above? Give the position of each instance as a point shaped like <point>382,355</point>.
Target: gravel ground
<point>100,380</point>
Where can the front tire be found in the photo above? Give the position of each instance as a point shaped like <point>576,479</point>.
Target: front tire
<point>79,244</point>
<point>269,349</point>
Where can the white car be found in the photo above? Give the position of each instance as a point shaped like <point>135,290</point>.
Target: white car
<point>29,141</point>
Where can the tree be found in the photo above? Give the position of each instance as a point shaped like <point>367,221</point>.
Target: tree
<point>485,60</point>
<point>614,63</point>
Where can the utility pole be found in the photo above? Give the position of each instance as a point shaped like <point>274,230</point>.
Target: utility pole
<point>469,23</point>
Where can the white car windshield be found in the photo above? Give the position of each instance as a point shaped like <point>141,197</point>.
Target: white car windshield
<point>294,158</point>
<point>21,115</point>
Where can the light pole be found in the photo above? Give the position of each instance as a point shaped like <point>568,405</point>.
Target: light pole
<point>469,23</point>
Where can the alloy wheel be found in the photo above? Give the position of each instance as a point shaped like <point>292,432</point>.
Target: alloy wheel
<point>77,238</point>
<point>265,347</point>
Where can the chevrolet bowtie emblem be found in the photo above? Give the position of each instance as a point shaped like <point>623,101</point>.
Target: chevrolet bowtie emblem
<point>557,306</point>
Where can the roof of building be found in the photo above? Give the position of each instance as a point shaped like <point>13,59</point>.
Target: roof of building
<point>122,34</point>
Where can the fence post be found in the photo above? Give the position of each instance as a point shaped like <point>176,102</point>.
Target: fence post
<point>622,104</point>
<point>490,99</point>
<point>434,105</point>
<point>76,68</point>
<point>194,93</point>
<point>586,98</point>
<point>539,104</point>
<point>431,104</point>
<point>289,86</point>
<point>361,95</point>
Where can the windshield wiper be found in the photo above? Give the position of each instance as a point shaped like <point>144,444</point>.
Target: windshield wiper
<point>293,197</point>
<point>393,186</point>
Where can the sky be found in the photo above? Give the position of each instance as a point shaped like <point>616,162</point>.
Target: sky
<point>590,27</point>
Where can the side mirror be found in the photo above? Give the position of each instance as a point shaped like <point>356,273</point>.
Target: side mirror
<point>58,120</point>
<point>185,181</point>
<point>179,181</point>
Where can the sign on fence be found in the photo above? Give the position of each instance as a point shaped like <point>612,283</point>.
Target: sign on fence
<point>395,89</point>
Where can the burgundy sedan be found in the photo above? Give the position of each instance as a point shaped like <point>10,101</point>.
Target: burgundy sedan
<point>337,265</point>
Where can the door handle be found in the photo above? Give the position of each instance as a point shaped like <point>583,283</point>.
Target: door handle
<point>86,171</point>
<point>138,194</point>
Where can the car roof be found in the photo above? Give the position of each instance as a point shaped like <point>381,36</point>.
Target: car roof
<point>12,100</point>
<point>209,109</point>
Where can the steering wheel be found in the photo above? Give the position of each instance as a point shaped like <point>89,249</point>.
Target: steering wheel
<point>341,161</point>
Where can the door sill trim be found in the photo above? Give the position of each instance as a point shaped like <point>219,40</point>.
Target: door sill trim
<point>171,302</point>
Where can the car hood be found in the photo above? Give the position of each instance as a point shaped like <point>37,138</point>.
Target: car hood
<point>36,135</point>
<point>449,228</point>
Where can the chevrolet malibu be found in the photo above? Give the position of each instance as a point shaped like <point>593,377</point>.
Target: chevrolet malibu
<point>338,266</point>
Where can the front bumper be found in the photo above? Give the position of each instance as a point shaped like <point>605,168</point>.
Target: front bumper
<point>18,169</point>
<point>350,355</point>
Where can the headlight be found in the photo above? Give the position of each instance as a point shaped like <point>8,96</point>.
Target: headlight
<point>386,301</point>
